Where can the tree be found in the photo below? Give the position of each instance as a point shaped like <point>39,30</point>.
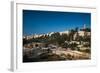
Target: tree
<point>73,46</point>
<point>64,37</point>
<point>77,34</point>
<point>55,37</point>
<point>65,45</point>
<point>71,34</point>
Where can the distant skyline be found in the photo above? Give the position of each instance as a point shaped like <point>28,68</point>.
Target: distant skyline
<point>42,22</point>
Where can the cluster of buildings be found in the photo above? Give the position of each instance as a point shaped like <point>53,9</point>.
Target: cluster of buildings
<point>80,32</point>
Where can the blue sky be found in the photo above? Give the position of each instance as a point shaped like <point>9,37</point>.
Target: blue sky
<point>41,22</point>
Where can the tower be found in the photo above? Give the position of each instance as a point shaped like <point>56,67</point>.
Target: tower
<point>84,27</point>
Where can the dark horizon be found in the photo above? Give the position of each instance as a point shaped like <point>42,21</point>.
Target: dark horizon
<point>42,22</point>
